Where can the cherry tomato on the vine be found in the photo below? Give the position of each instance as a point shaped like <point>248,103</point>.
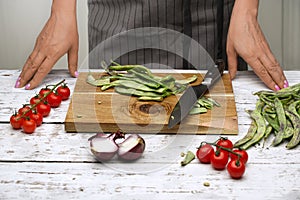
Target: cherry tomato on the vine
<point>219,160</point>
<point>204,153</point>
<point>236,169</point>
<point>29,126</point>
<point>63,91</point>
<point>224,142</point>
<point>243,153</point>
<point>25,109</point>
<point>16,121</point>
<point>37,117</point>
<point>34,100</point>
<point>43,108</point>
<point>54,100</point>
<point>44,91</point>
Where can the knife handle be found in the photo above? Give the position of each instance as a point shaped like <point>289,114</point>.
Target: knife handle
<point>214,73</point>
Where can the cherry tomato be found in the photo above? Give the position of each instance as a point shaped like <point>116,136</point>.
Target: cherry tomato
<point>63,91</point>
<point>54,100</point>
<point>37,117</point>
<point>219,160</point>
<point>16,121</point>
<point>43,108</point>
<point>243,153</point>
<point>236,169</point>
<point>29,126</point>
<point>224,142</point>
<point>44,91</point>
<point>25,109</point>
<point>34,100</point>
<point>204,153</point>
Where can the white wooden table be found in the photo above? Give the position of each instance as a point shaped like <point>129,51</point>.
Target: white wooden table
<point>53,164</point>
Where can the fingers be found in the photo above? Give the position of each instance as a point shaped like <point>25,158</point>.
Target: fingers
<point>30,67</point>
<point>40,74</point>
<point>73,61</point>
<point>262,73</point>
<point>274,70</point>
<point>232,60</point>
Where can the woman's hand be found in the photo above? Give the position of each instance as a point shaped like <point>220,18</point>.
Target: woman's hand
<point>58,37</point>
<point>246,39</point>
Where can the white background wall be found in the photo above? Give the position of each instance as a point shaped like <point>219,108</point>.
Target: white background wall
<point>22,20</point>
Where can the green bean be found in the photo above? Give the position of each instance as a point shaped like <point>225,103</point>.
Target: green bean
<point>98,82</point>
<point>189,157</point>
<point>292,88</point>
<point>131,91</point>
<point>135,85</point>
<point>207,103</point>
<point>261,125</point>
<point>214,102</point>
<point>271,121</point>
<point>293,107</point>
<point>270,110</point>
<point>266,100</point>
<point>269,130</point>
<point>137,68</point>
<point>187,80</point>
<point>289,131</point>
<point>139,80</point>
<point>282,122</point>
<point>121,67</point>
<point>166,79</point>
<point>198,110</point>
<point>296,135</point>
<point>146,77</point>
<point>147,98</point>
<point>202,105</point>
<point>250,133</point>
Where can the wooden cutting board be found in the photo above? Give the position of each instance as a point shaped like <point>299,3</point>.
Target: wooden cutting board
<point>93,110</point>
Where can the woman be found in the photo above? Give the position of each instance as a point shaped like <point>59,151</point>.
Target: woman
<point>193,18</point>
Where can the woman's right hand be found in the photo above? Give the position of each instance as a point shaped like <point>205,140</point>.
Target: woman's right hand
<point>58,37</point>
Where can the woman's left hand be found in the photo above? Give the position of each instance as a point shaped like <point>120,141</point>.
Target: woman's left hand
<point>246,39</point>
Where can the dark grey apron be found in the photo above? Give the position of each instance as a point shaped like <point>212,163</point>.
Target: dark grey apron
<point>117,32</point>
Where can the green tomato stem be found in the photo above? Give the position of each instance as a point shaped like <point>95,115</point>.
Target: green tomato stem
<point>224,148</point>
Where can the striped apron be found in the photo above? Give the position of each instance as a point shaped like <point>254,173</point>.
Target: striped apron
<point>158,33</point>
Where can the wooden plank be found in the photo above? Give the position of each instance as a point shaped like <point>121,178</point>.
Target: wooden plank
<point>91,181</point>
<point>49,143</point>
<point>93,110</point>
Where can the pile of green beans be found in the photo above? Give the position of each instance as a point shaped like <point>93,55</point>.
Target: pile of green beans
<point>277,114</point>
<point>137,80</point>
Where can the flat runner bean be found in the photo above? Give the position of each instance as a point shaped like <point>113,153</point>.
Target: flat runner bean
<point>260,122</point>
<point>250,133</point>
<point>282,122</point>
<point>296,135</point>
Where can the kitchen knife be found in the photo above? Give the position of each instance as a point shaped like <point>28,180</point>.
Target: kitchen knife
<point>193,93</point>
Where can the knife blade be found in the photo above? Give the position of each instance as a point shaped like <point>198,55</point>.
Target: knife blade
<point>193,93</point>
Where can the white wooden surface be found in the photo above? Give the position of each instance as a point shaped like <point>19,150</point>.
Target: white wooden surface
<point>52,164</point>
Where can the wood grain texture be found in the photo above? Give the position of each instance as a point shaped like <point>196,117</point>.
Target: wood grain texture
<point>105,111</point>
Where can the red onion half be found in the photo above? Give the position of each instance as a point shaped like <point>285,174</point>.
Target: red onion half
<point>131,148</point>
<point>104,147</point>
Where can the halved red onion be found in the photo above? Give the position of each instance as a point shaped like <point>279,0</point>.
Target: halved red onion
<point>131,148</point>
<point>103,146</point>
